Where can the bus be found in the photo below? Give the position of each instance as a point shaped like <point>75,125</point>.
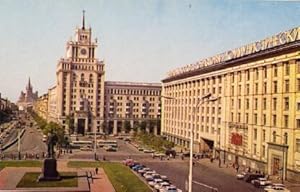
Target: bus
<point>81,144</point>
<point>106,143</point>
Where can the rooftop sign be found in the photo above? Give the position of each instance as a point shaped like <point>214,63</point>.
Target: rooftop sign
<point>268,43</point>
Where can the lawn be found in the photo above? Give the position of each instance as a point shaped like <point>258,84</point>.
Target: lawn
<point>29,180</point>
<point>119,175</point>
<point>27,163</point>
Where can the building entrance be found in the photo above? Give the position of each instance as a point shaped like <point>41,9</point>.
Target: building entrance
<point>81,126</point>
<point>275,166</point>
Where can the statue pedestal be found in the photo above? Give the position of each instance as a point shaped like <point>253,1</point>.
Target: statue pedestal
<point>49,171</point>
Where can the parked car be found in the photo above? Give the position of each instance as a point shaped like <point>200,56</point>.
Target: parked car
<point>144,170</point>
<point>241,175</point>
<point>251,176</point>
<point>161,186</point>
<point>261,182</point>
<point>171,188</point>
<point>276,187</point>
<point>138,167</point>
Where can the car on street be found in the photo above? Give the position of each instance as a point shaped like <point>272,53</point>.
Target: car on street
<point>138,167</point>
<point>144,170</point>
<point>171,188</point>
<point>251,176</point>
<point>261,182</point>
<point>162,185</point>
<point>241,175</point>
<point>276,187</point>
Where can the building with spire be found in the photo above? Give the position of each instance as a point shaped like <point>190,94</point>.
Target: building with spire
<point>27,98</point>
<point>80,83</point>
<point>82,102</point>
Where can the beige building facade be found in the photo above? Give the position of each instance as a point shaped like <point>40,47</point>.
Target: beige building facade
<point>130,104</point>
<point>256,120</point>
<point>40,106</point>
<point>80,84</point>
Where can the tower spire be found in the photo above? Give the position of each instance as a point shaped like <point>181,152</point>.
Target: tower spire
<point>83,19</point>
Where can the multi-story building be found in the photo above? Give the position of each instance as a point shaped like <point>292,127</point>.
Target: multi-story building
<point>128,104</point>
<point>40,106</point>
<point>77,100</point>
<point>256,120</point>
<point>80,84</point>
<point>27,98</point>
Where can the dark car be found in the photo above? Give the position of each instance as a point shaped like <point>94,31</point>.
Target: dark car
<point>251,176</point>
<point>170,152</point>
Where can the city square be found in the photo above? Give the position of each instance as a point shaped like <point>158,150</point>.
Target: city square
<point>151,96</point>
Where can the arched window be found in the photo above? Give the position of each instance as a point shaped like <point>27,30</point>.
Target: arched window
<point>91,78</point>
<point>274,136</point>
<point>285,138</point>
<point>82,77</point>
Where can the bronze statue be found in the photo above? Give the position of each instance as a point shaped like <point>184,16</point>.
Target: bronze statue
<point>51,142</point>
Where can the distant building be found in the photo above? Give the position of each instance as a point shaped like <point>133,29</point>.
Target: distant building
<point>26,99</point>
<point>131,103</point>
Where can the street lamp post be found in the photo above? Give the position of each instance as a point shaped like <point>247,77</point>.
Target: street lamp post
<point>95,145</point>
<point>200,102</point>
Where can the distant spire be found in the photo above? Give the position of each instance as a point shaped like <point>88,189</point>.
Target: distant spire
<point>29,84</point>
<point>83,19</point>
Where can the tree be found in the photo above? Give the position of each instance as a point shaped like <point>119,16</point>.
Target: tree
<point>70,123</point>
<point>143,126</point>
<point>127,126</point>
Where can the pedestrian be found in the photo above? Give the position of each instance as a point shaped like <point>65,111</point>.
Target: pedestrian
<point>219,162</point>
<point>96,170</point>
<point>237,167</point>
<point>182,157</point>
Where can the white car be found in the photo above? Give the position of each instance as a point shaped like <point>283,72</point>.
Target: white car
<point>241,175</point>
<point>261,182</point>
<point>149,173</point>
<point>144,170</point>
<point>161,186</point>
<point>276,187</point>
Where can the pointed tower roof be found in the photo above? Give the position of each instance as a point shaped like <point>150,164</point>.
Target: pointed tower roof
<point>29,84</point>
<point>83,19</point>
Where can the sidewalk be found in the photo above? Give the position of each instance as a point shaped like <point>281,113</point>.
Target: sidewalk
<point>294,187</point>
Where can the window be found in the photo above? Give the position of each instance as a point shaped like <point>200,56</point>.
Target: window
<point>265,87</point>
<point>239,103</point>
<point>274,103</point>
<point>287,85</point>
<point>255,134</point>
<point>298,145</point>
<point>247,103</point>
<point>255,119</point>
<point>274,120</point>
<point>298,123</point>
<point>239,117</point>
<point>285,138</point>
<point>240,76</point>
<point>286,68</point>
<point>232,90</point>
<point>248,75</point>
<point>256,73</point>
<point>274,136</point>
<point>256,88</point>
<point>298,66</point>
<point>264,119</point>
<point>239,90</point>
<point>286,103</point>
<point>254,149</point>
<point>247,89</point>
<point>263,135</point>
<point>263,151</point>
<point>255,103</point>
<point>274,86</point>
<point>275,70</point>
<point>286,121</point>
<point>298,84</point>
<point>265,72</point>
<point>247,118</point>
<point>298,106</point>
<point>264,103</point>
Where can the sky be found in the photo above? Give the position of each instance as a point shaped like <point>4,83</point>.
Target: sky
<point>139,40</point>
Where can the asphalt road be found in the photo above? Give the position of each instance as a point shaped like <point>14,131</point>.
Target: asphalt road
<point>31,142</point>
<point>178,173</point>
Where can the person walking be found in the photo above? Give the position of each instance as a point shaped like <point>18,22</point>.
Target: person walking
<point>96,170</point>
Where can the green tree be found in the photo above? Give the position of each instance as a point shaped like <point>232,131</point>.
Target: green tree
<point>127,126</point>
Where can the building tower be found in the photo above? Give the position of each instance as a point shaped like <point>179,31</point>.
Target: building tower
<point>80,84</point>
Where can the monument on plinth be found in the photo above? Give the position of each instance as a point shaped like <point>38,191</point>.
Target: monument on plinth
<point>49,170</point>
